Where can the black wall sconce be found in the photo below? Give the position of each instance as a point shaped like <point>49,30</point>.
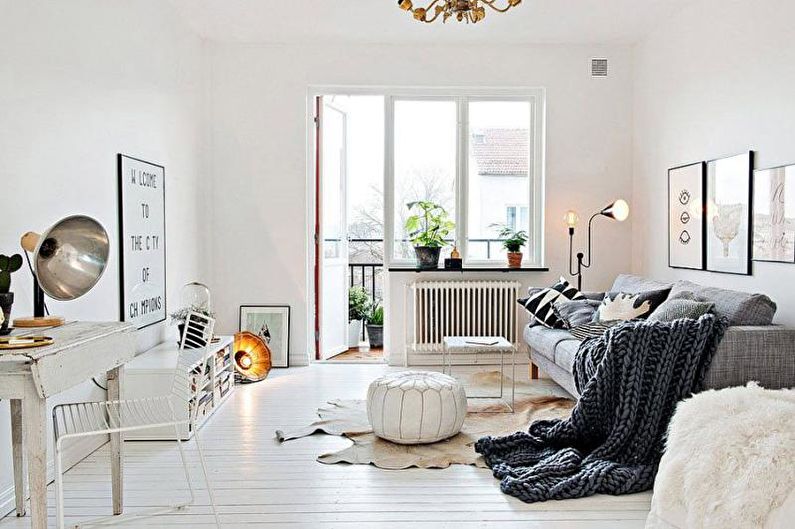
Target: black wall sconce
<point>618,210</point>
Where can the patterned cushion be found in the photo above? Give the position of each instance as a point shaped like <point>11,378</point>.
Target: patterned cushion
<point>676,309</point>
<point>539,305</point>
<point>742,308</point>
<point>575,312</point>
<point>593,329</point>
<point>621,306</point>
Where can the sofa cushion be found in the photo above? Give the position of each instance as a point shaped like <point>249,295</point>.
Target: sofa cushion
<point>575,312</point>
<point>544,340</point>
<point>635,284</point>
<point>621,306</point>
<point>565,353</point>
<point>539,305</point>
<point>678,308</point>
<point>741,308</point>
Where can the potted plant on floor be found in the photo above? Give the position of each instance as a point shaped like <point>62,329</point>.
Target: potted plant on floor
<point>375,326</point>
<point>358,311</point>
<point>427,228</point>
<point>513,241</point>
<point>8,265</point>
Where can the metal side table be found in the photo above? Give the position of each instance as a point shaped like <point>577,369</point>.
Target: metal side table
<point>483,344</point>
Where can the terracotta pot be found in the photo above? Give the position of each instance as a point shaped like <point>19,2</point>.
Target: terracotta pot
<point>515,259</point>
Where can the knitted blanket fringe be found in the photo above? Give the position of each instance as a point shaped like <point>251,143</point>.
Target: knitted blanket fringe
<point>629,381</point>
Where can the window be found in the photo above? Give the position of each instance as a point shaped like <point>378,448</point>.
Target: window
<point>477,156</point>
<point>425,151</point>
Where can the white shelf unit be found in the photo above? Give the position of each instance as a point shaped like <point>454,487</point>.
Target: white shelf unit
<point>151,374</point>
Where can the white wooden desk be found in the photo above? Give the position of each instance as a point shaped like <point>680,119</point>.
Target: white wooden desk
<point>29,376</point>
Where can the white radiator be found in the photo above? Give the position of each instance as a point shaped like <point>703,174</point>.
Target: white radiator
<point>462,308</point>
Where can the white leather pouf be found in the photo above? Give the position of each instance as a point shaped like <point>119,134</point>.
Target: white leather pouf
<point>416,407</point>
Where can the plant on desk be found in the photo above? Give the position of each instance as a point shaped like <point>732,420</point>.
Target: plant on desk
<point>8,265</point>
<point>427,228</point>
<point>513,241</point>
<point>375,326</point>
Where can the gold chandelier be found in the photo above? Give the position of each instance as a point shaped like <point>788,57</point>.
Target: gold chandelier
<point>463,10</point>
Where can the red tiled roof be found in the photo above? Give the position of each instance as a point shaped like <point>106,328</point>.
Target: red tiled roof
<point>501,152</point>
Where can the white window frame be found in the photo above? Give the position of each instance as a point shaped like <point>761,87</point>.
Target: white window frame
<point>536,97</point>
<point>462,97</point>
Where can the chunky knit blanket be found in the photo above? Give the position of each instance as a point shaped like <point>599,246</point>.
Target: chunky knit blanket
<point>629,380</point>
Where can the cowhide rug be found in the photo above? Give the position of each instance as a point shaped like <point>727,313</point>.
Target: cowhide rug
<point>348,418</point>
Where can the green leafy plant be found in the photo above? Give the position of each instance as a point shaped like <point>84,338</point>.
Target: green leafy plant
<point>8,265</point>
<point>376,316</point>
<point>179,316</point>
<point>513,240</point>
<point>429,225</point>
<point>358,304</point>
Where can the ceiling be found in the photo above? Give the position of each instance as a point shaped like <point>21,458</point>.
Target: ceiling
<point>380,21</point>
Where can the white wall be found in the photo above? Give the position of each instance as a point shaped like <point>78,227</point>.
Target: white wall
<point>79,82</point>
<point>715,80</point>
<point>259,166</point>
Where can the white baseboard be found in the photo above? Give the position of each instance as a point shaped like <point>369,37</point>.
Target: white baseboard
<point>74,452</point>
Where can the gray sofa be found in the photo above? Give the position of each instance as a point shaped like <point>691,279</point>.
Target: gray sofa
<point>752,349</point>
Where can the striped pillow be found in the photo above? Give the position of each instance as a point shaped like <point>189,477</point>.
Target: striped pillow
<point>540,305</point>
<point>592,329</point>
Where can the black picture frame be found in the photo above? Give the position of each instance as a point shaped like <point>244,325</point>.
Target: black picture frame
<point>241,310</point>
<point>702,206</point>
<point>120,211</point>
<point>754,227</point>
<point>748,218</point>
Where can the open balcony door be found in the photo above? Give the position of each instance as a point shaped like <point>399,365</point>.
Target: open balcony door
<point>332,248</point>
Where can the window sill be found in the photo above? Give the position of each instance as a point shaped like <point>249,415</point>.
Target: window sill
<point>469,269</point>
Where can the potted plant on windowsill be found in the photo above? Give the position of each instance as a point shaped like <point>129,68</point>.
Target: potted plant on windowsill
<point>427,228</point>
<point>375,326</point>
<point>358,311</point>
<point>513,241</point>
<point>8,265</point>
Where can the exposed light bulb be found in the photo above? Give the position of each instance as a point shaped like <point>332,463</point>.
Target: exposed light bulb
<point>571,218</point>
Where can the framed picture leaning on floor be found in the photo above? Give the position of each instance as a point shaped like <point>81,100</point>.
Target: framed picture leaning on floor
<point>272,324</point>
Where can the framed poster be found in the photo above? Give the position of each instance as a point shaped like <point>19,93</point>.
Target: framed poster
<point>142,241</point>
<point>774,214</point>
<point>686,216</point>
<point>729,214</point>
<point>272,324</point>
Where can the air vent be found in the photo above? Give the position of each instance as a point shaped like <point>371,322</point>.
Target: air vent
<point>598,67</point>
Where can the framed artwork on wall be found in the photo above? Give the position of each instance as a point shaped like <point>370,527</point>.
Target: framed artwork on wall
<point>774,214</point>
<point>686,200</point>
<point>729,189</point>
<point>142,241</point>
<point>272,324</point>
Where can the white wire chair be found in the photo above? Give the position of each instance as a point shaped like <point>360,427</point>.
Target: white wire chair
<point>101,418</point>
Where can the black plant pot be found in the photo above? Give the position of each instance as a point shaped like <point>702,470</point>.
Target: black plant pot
<point>427,257</point>
<point>6,301</point>
<point>376,335</point>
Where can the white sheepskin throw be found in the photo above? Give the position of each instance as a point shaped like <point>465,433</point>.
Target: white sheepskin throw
<point>729,460</point>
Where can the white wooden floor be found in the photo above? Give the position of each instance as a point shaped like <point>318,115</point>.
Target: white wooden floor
<point>260,483</point>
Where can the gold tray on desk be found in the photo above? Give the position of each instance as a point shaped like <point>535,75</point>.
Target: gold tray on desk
<point>24,342</point>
